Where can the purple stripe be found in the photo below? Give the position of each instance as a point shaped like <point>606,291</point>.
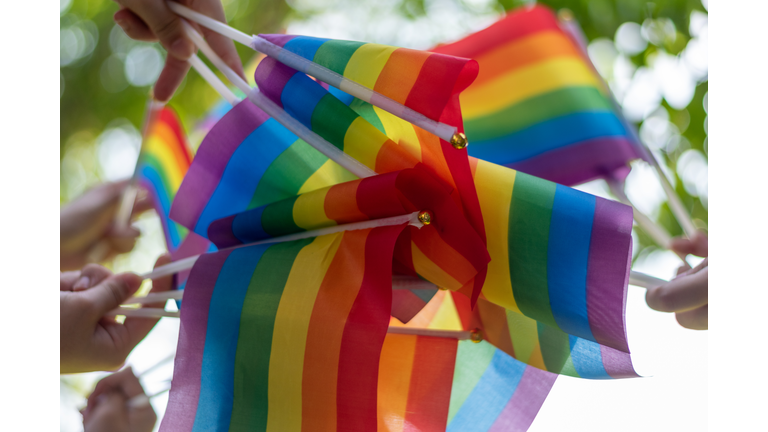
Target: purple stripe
<point>185,387</point>
<point>271,77</point>
<point>278,39</point>
<point>608,273</point>
<point>526,402</point>
<point>617,364</point>
<point>220,232</point>
<point>582,162</point>
<point>192,244</point>
<point>211,159</point>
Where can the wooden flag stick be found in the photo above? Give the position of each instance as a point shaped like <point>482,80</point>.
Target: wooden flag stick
<point>572,27</point>
<point>257,43</point>
<point>273,110</point>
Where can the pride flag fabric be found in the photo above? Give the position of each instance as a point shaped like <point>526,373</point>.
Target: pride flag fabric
<point>163,162</point>
<point>538,105</point>
<point>284,336</point>
<point>440,384</point>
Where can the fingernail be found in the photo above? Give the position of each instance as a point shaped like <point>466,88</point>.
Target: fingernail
<point>182,49</point>
<point>82,284</point>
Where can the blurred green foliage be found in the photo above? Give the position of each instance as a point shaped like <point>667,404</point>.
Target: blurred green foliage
<point>95,57</point>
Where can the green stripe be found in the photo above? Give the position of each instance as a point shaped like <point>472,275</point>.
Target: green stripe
<point>287,174</point>
<point>536,110</point>
<point>569,369</point>
<point>472,359</point>
<point>335,54</point>
<point>529,215</point>
<point>331,119</point>
<point>277,219</point>
<point>555,347</point>
<point>366,111</point>
<point>257,322</point>
<point>160,169</point>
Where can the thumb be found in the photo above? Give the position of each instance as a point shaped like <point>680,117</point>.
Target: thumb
<point>111,292</point>
<point>166,25</point>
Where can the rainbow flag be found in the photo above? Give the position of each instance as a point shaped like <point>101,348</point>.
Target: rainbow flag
<point>538,105</point>
<point>439,384</point>
<point>426,82</point>
<point>284,336</point>
<point>559,256</point>
<point>361,131</point>
<point>163,162</point>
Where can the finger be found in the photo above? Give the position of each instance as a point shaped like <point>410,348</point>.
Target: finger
<point>695,319</point>
<point>166,25</point>
<point>698,245</point>
<point>143,203</point>
<point>110,293</point>
<point>170,78</point>
<point>684,293</point>
<point>682,269</point>
<point>67,279</point>
<point>133,26</point>
<point>110,410</point>
<point>221,45</point>
<point>122,240</point>
<point>90,276</point>
<point>138,328</point>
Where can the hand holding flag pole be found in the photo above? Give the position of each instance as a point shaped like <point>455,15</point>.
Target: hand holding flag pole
<point>257,43</point>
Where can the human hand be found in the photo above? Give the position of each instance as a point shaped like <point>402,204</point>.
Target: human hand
<point>108,408</point>
<point>87,230</point>
<point>90,341</point>
<point>152,20</point>
<point>687,294</point>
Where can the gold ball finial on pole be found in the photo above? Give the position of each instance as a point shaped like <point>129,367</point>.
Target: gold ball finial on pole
<point>459,141</point>
<point>476,335</point>
<point>425,217</point>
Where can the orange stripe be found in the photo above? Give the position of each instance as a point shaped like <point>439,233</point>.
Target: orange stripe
<point>395,367</point>
<point>326,327</point>
<point>522,52</point>
<point>392,157</point>
<point>169,140</point>
<point>495,326</point>
<point>432,155</point>
<point>443,255</point>
<point>341,203</point>
<point>400,74</point>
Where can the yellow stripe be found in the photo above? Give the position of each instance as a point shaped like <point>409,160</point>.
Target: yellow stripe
<point>494,185</point>
<point>366,64</point>
<point>363,142</point>
<point>431,271</point>
<point>286,364</point>
<point>520,84</point>
<point>309,210</point>
<point>447,317</point>
<point>524,334</point>
<point>329,174</point>
<point>400,131</point>
<point>157,148</point>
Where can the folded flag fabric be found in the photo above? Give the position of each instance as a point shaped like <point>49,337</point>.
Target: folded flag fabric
<point>284,336</point>
<point>163,162</point>
<point>248,160</point>
<point>440,384</point>
<point>538,105</point>
<point>559,256</point>
<point>359,131</point>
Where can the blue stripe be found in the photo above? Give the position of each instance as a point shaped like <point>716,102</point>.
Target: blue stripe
<point>344,97</point>
<point>305,46</point>
<point>214,408</point>
<point>154,182</point>
<point>570,231</point>
<point>548,135</point>
<point>244,171</point>
<point>300,97</point>
<point>247,226</point>
<point>489,397</point>
<point>587,359</point>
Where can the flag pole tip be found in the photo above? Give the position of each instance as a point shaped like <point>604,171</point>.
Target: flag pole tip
<point>476,335</point>
<point>425,217</point>
<point>459,141</point>
<point>565,14</point>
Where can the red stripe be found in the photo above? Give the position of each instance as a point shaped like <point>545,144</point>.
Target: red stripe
<point>516,25</point>
<point>364,334</point>
<point>436,83</point>
<point>377,196</point>
<point>429,396</point>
